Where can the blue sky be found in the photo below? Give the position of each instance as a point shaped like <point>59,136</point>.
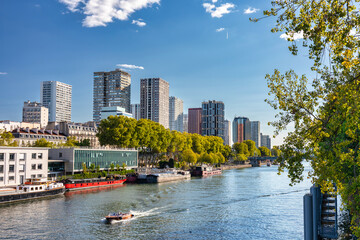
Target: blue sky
<point>181,41</point>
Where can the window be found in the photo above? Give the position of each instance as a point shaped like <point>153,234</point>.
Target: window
<point>33,156</point>
<point>1,156</point>
<point>11,178</point>
<point>11,168</point>
<point>12,156</point>
<point>33,166</point>
<point>22,156</point>
<point>39,175</point>
<point>33,176</point>
<point>1,179</point>
<point>1,168</point>
<point>60,155</point>
<point>39,155</point>
<point>22,168</point>
<point>40,166</point>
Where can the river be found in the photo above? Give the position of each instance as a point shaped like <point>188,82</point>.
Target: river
<point>252,203</point>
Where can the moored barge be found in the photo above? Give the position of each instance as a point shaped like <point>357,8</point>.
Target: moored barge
<point>75,184</point>
<point>33,188</point>
<point>204,171</point>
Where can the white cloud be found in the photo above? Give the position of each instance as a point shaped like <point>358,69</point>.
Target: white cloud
<point>292,36</point>
<point>102,12</point>
<point>139,22</point>
<point>129,66</point>
<point>220,29</point>
<point>214,1</point>
<point>3,73</point>
<point>250,10</point>
<point>218,12</point>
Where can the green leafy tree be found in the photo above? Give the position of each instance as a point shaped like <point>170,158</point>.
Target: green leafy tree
<point>84,143</point>
<point>7,139</point>
<point>97,168</point>
<point>265,152</point>
<point>71,142</point>
<point>189,156</point>
<point>324,110</point>
<point>251,147</point>
<point>124,166</point>
<point>275,151</point>
<point>84,167</point>
<point>42,142</point>
<point>118,167</point>
<point>112,166</point>
<point>241,148</point>
<point>92,167</point>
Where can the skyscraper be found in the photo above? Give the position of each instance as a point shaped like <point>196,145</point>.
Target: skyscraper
<point>154,100</point>
<point>241,129</point>
<point>56,96</point>
<point>186,123</point>
<point>135,111</point>
<point>111,89</point>
<point>212,118</point>
<point>265,141</point>
<point>34,112</point>
<point>176,114</point>
<point>194,120</point>
<point>227,133</point>
<point>255,133</point>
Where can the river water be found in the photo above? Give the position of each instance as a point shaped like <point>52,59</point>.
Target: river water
<point>252,203</point>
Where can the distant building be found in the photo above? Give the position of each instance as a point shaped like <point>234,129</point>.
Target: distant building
<point>27,137</point>
<point>114,111</point>
<point>194,122</point>
<point>18,164</point>
<point>135,111</point>
<point>34,112</point>
<point>8,125</point>
<point>154,100</point>
<point>71,160</point>
<point>186,123</point>
<point>212,118</point>
<point>111,89</point>
<point>266,141</point>
<point>241,129</point>
<point>255,133</point>
<point>80,131</point>
<point>176,114</point>
<point>227,133</point>
<point>56,96</point>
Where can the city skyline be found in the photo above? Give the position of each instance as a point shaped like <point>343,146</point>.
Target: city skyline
<point>46,41</point>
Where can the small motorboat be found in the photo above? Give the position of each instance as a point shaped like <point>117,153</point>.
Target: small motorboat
<point>118,216</point>
<point>268,164</point>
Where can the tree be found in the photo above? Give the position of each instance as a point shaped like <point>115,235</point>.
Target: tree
<point>6,139</point>
<point>275,151</point>
<point>189,156</point>
<point>97,168</point>
<point>251,147</point>
<point>71,142</point>
<point>92,167</point>
<point>112,166</point>
<point>117,167</point>
<point>42,142</point>
<point>265,152</point>
<point>325,110</point>
<point>84,167</point>
<point>84,143</point>
<point>241,148</point>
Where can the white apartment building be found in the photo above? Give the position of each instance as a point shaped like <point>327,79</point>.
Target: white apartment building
<point>56,96</point>
<point>154,100</point>
<point>227,133</point>
<point>9,126</point>
<point>18,164</point>
<point>34,112</point>
<point>255,132</point>
<point>135,111</point>
<point>176,114</point>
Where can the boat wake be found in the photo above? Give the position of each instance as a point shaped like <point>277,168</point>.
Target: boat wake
<point>137,215</point>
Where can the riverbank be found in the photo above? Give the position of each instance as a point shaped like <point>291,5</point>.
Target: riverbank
<point>237,166</point>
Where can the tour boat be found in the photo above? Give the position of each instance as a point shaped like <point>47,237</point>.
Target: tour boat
<point>33,188</point>
<point>74,184</point>
<point>118,216</point>
<point>204,171</point>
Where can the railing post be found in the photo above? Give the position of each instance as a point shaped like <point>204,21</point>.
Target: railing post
<point>315,191</point>
<point>308,217</point>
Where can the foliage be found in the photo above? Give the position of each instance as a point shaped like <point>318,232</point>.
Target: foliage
<point>112,166</point>
<point>275,151</point>
<point>92,167</point>
<point>97,168</point>
<point>42,142</point>
<point>117,167</point>
<point>251,147</point>
<point>241,148</point>
<point>97,174</point>
<point>265,152</point>
<point>84,167</point>
<point>189,156</point>
<point>325,110</point>
<point>241,157</point>
<point>7,139</point>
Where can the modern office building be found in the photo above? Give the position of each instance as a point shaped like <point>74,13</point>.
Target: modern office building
<point>255,133</point>
<point>135,111</point>
<point>265,141</point>
<point>154,100</point>
<point>18,164</point>
<point>186,123</point>
<point>71,160</point>
<point>194,122</point>
<point>111,89</point>
<point>176,114</point>
<point>227,133</point>
<point>212,118</point>
<point>56,96</point>
<point>241,129</point>
<point>34,112</point>
<point>114,111</point>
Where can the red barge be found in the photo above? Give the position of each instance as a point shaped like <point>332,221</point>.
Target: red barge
<point>75,184</point>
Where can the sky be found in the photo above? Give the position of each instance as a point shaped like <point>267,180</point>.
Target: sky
<point>205,49</point>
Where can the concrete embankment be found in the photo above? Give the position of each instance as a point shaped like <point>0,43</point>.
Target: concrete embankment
<point>227,167</point>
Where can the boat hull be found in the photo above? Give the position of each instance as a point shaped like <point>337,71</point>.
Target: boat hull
<point>205,173</point>
<point>85,185</point>
<point>110,219</point>
<point>30,195</point>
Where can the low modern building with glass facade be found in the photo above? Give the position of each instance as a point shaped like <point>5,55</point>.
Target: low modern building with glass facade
<point>70,160</point>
